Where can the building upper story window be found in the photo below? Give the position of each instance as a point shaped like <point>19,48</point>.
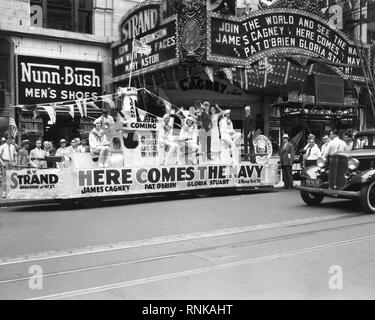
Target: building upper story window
<point>69,15</point>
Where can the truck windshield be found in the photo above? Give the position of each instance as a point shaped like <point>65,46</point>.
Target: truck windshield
<point>364,142</point>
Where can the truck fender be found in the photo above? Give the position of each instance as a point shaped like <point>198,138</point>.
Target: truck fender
<point>364,177</point>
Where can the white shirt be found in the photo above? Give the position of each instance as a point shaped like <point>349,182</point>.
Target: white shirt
<point>190,133</point>
<point>38,153</point>
<point>334,146</point>
<point>63,152</point>
<point>226,126</point>
<point>324,147</point>
<point>97,139</point>
<point>312,153</point>
<point>8,152</point>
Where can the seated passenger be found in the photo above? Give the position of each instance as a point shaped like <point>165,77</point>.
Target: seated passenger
<point>99,144</point>
<point>189,138</point>
<point>165,139</point>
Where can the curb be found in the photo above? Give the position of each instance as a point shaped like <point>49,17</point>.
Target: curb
<point>17,203</point>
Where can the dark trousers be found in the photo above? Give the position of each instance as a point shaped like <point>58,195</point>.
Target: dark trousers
<point>287,176</point>
<point>205,141</point>
<point>248,147</point>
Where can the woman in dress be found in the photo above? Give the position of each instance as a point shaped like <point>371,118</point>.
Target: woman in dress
<point>215,112</point>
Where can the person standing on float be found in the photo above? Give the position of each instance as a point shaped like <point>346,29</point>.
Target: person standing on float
<point>230,136</point>
<point>215,112</point>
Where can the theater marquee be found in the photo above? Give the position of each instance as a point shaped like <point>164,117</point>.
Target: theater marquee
<point>277,31</point>
<point>146,24</point>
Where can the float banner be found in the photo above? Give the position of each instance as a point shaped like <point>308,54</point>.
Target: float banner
<point>44,80</point>
<point>283,31</point>
<point>65,183</point>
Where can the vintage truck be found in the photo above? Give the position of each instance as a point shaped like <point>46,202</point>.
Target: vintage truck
<point>348,175</point>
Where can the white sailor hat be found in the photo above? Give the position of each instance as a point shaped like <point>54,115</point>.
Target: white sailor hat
<point>286,136</point>
<point>247,108</point>
<point>227,111</point>
<point>98,121</point>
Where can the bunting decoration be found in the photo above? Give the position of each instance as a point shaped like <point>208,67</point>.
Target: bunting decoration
<point>80,108</point>
<point>110,102</point>
<point>51,110</point>
<point>84,106</point>
<point>142,114</point>
<point>71,110</point>
<point>92,105</point>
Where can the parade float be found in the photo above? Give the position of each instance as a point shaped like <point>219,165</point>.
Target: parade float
<point>135,166</point>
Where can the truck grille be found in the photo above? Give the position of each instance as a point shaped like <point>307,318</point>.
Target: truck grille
<point>338,167</point>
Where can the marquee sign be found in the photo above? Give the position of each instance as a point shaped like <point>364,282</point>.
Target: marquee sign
<point>277,31</point>
<point>145,23</point>
<point>44,80</point>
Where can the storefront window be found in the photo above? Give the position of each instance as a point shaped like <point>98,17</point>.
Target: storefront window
<point>66,15</point>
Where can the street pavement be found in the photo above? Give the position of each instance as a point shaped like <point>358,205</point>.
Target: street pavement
<point>249,245</point>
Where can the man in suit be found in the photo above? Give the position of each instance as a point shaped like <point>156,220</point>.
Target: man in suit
<point>286,161</point>
<point>248,130</point>
<point>204,126</point>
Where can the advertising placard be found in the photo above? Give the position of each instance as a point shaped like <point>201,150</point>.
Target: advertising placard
<point>76,183</point>
<point>45,80</point>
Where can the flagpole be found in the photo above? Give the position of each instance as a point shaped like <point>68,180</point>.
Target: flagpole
<point>131,63</point>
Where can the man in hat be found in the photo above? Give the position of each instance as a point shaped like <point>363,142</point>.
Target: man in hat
<point>248,130</point>
<point>23,154</point>
<point>99,145</point>
<point>63,152</point>
<point>8,156</point>
<point>286,161</point>
<point>205,125</point>
<point>50,152</point>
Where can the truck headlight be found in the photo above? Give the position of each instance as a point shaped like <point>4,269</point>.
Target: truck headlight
<point>353,164</point>
<point>321,162</point>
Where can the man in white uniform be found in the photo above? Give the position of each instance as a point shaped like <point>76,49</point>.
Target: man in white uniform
<point>99,145</point>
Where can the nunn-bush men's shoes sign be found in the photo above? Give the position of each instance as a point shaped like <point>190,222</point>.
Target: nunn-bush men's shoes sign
<point>44,80</point>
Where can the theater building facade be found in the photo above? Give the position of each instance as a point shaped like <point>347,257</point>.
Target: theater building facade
<point>55,51</point>
<point>302,65</point>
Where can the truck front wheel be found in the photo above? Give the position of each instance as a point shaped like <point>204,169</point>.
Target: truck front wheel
<point>311,198</point>
<point>367,197</point>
